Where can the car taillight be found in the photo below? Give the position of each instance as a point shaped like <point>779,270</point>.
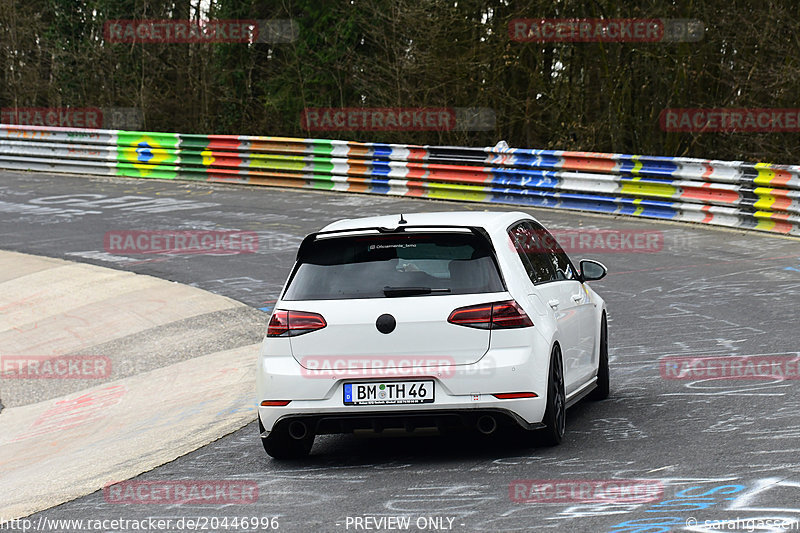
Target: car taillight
<point>497,315</point>
<point>293,323</point>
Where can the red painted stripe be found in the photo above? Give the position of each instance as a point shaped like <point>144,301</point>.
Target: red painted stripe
<point>593,155</point>
<point>223,159</point>
<point>781,203</point>
<point>583,163</point>
<point>781,177</point>
<point>415,188</point>
<point>458,177</point>
<point>417,154</point>
<point>223,142</point>
<point>711,195</point>
<point>709,216</point>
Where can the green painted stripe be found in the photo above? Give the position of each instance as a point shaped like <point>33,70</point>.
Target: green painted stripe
<point>146,171</point>
<point>154,139</point>
<point>324,147</point>
<point>324,183</point>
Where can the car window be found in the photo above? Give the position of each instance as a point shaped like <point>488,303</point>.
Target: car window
<point>561,264</point>
<point>364,266</point>
<point>527,242</point>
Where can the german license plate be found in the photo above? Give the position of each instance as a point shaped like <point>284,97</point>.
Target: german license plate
<point>388,392</point>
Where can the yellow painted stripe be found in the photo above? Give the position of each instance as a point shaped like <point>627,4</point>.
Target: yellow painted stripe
<point>283,157</point>
<point>639,210</point>
<point>660,190</point>
<point>449,191</point>
<point>208,159</point>
<point>637,167</point>
<point>764,177</point>
<point>282,162</point>
<point>765,201</point>
<point>159,155</point>
<point>765,224</point>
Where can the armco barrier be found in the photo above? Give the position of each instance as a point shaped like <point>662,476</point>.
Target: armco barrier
<point>756,196</point>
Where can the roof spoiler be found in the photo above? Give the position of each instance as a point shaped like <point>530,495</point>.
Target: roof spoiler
<point>481,232</point>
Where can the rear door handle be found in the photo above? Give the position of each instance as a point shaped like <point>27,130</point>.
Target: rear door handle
<point>553,303</point>
<point>577,297</point>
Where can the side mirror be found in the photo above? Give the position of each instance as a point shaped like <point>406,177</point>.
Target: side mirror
<point>592,270</point>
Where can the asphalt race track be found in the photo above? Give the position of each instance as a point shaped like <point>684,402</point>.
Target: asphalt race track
<point>717,450</point>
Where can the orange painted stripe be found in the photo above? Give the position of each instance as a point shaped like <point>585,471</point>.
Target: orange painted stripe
<point>356,185</point>
<point>357,150</point>
<point>278,182</point>
<point>357,168</point>
<point>227,178</point>
<point>278,175</point>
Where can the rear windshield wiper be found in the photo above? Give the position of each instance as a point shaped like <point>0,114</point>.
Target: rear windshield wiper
<point>393,292</point>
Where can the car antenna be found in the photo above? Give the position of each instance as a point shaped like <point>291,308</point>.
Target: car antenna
<point>402,220</point>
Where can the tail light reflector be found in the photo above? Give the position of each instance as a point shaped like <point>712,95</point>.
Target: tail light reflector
<point>514,395</point>
<point>293,323</point>
<point>497,315</point>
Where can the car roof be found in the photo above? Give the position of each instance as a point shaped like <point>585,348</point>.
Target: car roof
<point>488,220</point>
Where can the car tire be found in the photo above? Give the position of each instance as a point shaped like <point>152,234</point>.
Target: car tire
<point>555,414</point>
<point>602,390</point>
<point>280,445</point>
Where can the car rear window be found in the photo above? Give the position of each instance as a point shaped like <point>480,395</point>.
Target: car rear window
<point>380,266</point>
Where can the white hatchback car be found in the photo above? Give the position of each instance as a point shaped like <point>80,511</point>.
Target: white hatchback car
<point>430,320</point>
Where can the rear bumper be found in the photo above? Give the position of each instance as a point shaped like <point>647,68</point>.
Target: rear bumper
<point>441,420</point>
<point>463,393</point>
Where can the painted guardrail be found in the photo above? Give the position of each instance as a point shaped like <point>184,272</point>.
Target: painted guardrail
<point>756,196</point>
